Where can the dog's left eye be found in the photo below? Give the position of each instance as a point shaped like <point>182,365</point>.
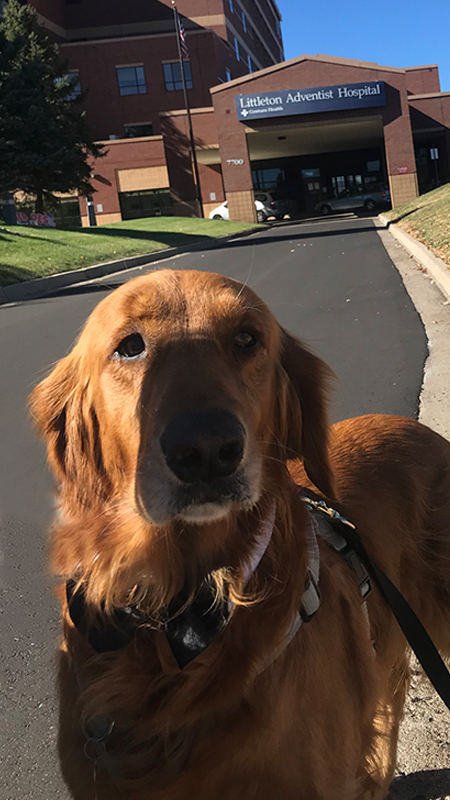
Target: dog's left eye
<point>245,340</point>
<point>130,347</point>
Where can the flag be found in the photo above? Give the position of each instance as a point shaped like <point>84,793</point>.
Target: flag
<point>182,37</point>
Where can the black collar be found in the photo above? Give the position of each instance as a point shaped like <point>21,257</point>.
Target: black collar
<point>190,627</point>
<point>190,624</point>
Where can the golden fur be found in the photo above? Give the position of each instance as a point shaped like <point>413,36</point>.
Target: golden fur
<point>322,720</point>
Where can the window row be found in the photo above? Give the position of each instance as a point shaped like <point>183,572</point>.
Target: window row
<point>134,131</point>
<point>248,29</point>
<point>245,57</point>
<point>131,80</point>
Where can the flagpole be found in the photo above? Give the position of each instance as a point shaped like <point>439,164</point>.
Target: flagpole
<point>188,110</point>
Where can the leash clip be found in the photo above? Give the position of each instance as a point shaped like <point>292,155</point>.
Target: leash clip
<point>342,545</point>
<point>320,505</point>
<point>97,733</point>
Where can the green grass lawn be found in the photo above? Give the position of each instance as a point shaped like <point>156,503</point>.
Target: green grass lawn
<point>27,253</point>
<point>427,218</point>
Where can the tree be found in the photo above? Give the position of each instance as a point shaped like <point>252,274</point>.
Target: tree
<point>45,143</point>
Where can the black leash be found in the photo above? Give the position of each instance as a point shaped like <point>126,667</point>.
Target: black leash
<point>418,638</point>
<point>420,641</point>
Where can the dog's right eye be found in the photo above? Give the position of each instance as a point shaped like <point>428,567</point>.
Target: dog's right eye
<point>130,347</point>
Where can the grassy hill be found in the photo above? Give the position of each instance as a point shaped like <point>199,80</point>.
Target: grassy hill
<point>27,253</point>
<point>427,219</point>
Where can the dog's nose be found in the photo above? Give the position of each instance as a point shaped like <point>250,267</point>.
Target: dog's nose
<point>203,446</point>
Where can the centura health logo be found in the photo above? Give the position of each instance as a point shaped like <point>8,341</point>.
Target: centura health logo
<point>289,102</point>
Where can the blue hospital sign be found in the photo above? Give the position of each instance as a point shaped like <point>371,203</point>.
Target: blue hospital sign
<point>289,102</point>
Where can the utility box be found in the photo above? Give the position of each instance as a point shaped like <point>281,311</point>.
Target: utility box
<point>8,206</point>
<point>91,211</point>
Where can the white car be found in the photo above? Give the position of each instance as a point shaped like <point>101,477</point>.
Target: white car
<point>221,212</point>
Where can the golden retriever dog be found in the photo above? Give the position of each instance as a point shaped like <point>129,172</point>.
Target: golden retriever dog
<point>180,429</point>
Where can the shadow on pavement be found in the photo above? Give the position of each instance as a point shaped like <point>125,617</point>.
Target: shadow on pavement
<point>85,288</point>
<point>273,234</point>
<point>432,784</point>
<point>267,238</point>
<point>401,216</point>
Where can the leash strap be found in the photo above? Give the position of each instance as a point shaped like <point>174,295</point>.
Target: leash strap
<point>420,641</point>
<point>415,633</point>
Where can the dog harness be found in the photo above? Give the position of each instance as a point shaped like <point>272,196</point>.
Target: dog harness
<point>190,629</point>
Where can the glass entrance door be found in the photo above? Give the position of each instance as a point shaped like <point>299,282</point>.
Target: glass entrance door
<point>312,188</point>
<point>341,182</point>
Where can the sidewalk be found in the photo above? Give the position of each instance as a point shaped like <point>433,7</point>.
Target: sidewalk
<point>423,766</point>
<point>438,269</point>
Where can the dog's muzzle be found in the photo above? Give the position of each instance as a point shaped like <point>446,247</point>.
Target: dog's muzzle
<point>202,464</point>
<point>203,447</point>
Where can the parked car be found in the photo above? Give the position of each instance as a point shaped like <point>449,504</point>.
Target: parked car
<point>275,203</point>
<point>369,197</point>
<point>221,212</point>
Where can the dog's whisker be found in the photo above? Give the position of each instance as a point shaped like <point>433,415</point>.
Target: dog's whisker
<point>245,284</point>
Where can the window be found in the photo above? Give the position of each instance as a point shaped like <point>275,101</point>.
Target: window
<point>244,22</point>
<point>75,90</point>
<point>267,178</point>
<point>373,166</point>
<point>355,191</point>
<point>133,131</point>
<point>342,182</point>
<point>311,173</point>
<point>228,74</point>
<point>146,203</point>
<point>231,6</point>
<point>236,47</point>
<point>338,184</point>
<point>131,80</point>
<point>172,76</point>
<point>249,62</point>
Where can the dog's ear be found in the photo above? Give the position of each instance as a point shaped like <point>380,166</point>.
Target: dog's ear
<point>303,423</point>
<point>64,414</point>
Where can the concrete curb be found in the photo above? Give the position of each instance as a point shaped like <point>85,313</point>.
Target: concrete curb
<point>437,268</point>
<point>29,290</point>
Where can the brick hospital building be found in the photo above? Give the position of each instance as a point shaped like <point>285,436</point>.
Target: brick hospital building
<point>309,127</point>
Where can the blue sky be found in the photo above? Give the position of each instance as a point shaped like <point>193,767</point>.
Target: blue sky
<point>397,33</point>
